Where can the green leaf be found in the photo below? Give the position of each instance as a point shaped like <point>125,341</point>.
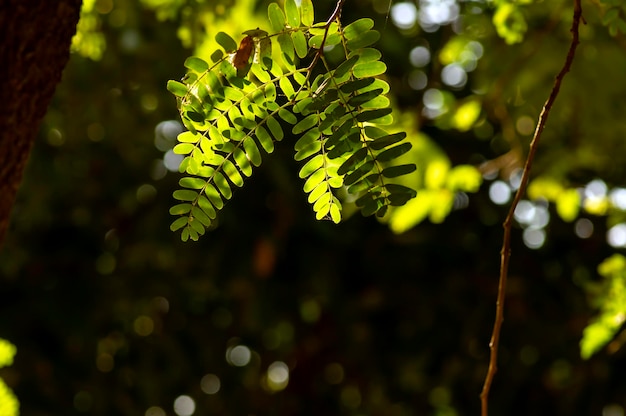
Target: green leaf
<point>213,196</point>
<point>223,185</point>
<point>351,86</point>
<point>384,141</point>
<point>180,209</point>
<point>185,195</point>
<point>207,207</point>
<point>232,173</point>
<point>367,39</point>
<point>292,13</point>
<point>226,42</point>
<point>178,223</point>
<point>371,115</point>
<point>311,166</point>
<point>260,73</point>
<point>395,171</point>
<point>319,190</point>
<point>286,47</point>
<point>306,139</point>
<point>300,44</point>
<point>369,69</point>
<point>357,28</point>
<point>288,116</point>
<point>252,151</point>
<point>360,99</point>
<point>356,158</point>
<point>308,15</point>
<point>305,124</point>
<point>394,152</point>
<point>275,128</point>
<point>308,151</point>
<point>184,148</point>
<point>359,173</point>
<point>265,139</point>
<point>188,137</point>
<point>315,179</point>
<point>287,88</point>
<point>345,67</point>
<point>201,216</point>
<point>192,183</point>
<point>196,64</point>
<point>177,88</point>
<point>276,16</point>
<point>243,163</point>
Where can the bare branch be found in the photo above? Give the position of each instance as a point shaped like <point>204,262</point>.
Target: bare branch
<point>505,253</point>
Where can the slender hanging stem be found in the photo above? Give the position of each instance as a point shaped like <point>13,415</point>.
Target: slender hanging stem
<point>505,253</point>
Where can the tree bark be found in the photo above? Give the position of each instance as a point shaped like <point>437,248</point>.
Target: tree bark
<point>34,48</point>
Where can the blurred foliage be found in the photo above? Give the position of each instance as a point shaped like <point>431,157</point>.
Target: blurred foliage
<point>113,315</point>
<point>610,298</point>
<point>9,406</point>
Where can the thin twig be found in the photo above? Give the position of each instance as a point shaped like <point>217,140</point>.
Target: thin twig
<point>506,240</point>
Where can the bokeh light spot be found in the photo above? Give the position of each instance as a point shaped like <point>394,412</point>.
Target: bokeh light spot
<point>351,397</point>
<point>613,410</point>
<point>277,376</point>
<point>499,192</point>
<point>105,362</point>
<point>583,228</point>
<point>419,56</point>
<point>172,161</point>
<point>143,325</point>
<point>534,238</point>
<point>210,384</point>
<point>525,125</point>
<point>95,132</point>
<point>404,15</point>
<point>105,264</point>
<point>310,310</point>
<point>83,401</point>
<point>418,80</point>
<point>454,75</point>
<point>334,373</point>
<point>155,411</point>
<point>616,236</point>
<point>238,356</point>
<point>184,406</point>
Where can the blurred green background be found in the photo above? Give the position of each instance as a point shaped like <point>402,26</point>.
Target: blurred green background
<point>274,313</point>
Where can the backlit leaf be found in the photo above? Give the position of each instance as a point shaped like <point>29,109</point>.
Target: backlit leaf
<point>276,16</point>
<point>177,88</point>
<point>226,42</point>
<point>300,43</point>
<point>196,64</point>
<point>292,13</point>
<point>308,16</point>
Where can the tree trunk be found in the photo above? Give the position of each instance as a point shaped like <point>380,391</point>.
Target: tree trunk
<point>35,43</point>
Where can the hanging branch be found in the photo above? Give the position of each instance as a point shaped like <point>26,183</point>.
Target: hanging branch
<point>505,253</point>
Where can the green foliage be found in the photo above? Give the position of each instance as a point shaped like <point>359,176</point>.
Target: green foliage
<point>9,406</point>
<point>509,21</point>
<point>613,12</point>
<point>247,99</point>
<point>89,40</point>
<point>610,298</point>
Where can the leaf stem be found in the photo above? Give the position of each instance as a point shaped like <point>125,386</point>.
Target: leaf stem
<point>505,253</point>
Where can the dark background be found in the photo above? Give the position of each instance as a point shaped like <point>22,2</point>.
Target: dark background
<point>406,317</point>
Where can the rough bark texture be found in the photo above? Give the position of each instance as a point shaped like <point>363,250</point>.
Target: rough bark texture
<point>35,38</point>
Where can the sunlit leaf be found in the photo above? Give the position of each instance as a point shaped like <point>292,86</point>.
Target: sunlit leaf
<point>226,42</point>
<point>292,13</point>
<point>300,43</point>
<point>369,69</point>
<point>196,64</point>
<point>177,88</point>
<point>308,16</point>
